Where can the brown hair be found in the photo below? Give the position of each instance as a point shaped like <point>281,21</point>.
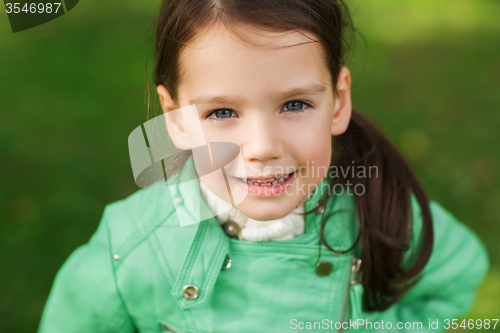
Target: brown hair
<point>384,210</point>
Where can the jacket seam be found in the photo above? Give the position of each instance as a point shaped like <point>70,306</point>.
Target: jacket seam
<point>343,290</point>
<point>212,276</point>
<point>191,257</point>
<point>136,239</point>
<point>166,272</point>
<point>115,277</point>
<point>153,243</point>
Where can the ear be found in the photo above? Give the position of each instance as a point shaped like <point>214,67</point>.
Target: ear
<point>343,105</point>
<point>173,122</point>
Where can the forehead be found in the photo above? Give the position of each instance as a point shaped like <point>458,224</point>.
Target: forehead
<point>245,58</point>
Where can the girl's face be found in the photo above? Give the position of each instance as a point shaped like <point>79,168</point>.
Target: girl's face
<point>272,95</point>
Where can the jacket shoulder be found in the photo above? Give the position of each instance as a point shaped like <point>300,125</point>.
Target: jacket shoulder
<point>132,218</point>
<point>84,297</point>
<point>458,262</point>
<point>450,236</point>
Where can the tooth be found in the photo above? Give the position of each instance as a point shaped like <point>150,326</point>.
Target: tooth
<point>275,182</point>
<point>281,180</point>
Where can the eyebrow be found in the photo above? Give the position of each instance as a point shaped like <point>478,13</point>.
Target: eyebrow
<point>313,89</point>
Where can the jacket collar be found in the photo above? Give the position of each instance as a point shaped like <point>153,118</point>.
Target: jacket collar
<point>209,245</point>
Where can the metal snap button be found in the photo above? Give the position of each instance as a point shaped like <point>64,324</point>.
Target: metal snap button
<point>178,199</point>
<point>190,291</point>
<point>324,268</point>
<point>231,228</point>
<point>227,263</point>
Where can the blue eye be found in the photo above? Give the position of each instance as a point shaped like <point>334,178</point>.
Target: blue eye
<point>295,106</point>
<point>222,113</point>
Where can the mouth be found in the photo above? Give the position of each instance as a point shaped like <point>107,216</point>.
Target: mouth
<point>266,182</point>
<point>269,186</point>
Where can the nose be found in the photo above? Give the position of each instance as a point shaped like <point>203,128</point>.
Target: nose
<point>263,142</point>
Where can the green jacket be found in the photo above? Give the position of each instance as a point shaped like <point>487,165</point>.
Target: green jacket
<point>130,276</point>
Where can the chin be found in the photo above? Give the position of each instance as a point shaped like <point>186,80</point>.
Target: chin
<point>265,214</point>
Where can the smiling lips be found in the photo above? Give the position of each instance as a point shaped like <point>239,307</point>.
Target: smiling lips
<point>265,182</point>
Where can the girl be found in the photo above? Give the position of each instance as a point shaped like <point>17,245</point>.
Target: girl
<point>320,223</point>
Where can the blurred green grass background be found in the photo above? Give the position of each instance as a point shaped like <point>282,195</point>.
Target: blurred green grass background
<point>73,89</point>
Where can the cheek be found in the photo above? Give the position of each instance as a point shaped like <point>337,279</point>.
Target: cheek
<point>314,150</point>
